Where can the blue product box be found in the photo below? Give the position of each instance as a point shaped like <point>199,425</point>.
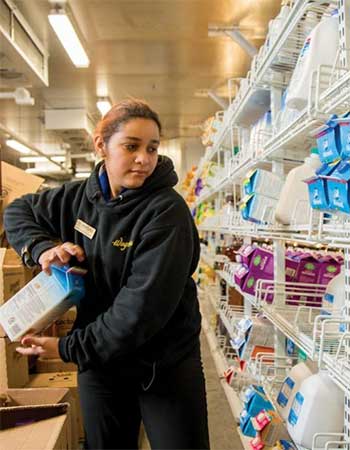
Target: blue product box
<point>317,186</point>
<point>256,403</point>
<point>328,141</point>
<point>344,136</point>
<point>338,188</point>
<point>246,425</point>
<point>258,208</point>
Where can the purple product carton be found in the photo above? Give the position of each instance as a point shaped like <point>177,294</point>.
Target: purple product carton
<point>330,267</point>
<point>240,275</point>
<point>251,281</point>
<point>291,269</point>
<point>262,262</point>
<point>246,253</point>
<point>308,272</point>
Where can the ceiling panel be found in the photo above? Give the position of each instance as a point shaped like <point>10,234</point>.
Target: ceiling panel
<point>158,50</point>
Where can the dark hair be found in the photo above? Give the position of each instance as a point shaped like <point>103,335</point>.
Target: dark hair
<point>121,113</point>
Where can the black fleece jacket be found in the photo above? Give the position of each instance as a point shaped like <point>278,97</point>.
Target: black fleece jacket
<point>141,303</point>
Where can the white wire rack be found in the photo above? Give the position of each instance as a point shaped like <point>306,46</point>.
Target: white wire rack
<point>296,310</point>
<point>334,441</point>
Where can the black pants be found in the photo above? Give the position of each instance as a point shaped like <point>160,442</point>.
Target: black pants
<point>171,403</point>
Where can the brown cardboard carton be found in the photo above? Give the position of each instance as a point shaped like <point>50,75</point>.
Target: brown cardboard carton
<point>64,324</point>
<point>33,402</point>
<point>15,183</point>
<point>13,275</point>
<point>43,365</point>
<point>48,434</point>
<point>274,431</point>
<point>234,297</point>
<point>13,366</point>
<point>61,380</point>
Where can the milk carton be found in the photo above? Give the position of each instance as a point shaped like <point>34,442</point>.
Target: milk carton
<point>328,142</point>
<point>338,188</point>
<point>318,188</point>
<point>263,182</point>
<point>43,300</point>
<point>258,208</point>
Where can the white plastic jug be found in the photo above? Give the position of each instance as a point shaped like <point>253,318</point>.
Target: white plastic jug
<point>294,199</point>
<point>290,387</point>
<point>318,407</point>
<point>334,297</point>
<point>320,47</point>
<point>276,25</point>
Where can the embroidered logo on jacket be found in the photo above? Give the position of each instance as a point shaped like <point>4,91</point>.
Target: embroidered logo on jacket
<point>121,244</point>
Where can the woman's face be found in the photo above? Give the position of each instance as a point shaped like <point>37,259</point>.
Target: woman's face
<point>131,154</point>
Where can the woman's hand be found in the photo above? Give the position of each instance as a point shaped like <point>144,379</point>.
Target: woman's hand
<point>37,345</point>
<point>60,255</point>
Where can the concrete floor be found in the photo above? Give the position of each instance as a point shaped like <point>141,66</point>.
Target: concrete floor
<point>222,426</point>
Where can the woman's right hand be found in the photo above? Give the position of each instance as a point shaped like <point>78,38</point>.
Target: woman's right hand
<point>60,255</point>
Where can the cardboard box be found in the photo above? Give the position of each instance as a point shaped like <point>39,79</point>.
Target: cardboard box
<point>64,324</point>
<point>234,297</point>
<point>15,183</point>
<point>13,275</point>
<point>13,366</point>
<point>62,380</point>
<point>274,431</point>
<point>43,365</point>
<point>47,434</point>
<point>44,299</point>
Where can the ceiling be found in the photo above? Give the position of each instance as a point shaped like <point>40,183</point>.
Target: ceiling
<point>158,50</point>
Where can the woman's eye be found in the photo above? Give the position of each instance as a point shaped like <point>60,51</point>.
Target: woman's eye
<point>130,147</point>
<point>152,149</point>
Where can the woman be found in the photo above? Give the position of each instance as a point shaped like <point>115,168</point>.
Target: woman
<point>136,337</point>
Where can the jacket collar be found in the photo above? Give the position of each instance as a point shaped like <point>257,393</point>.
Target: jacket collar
<point>163,176</point>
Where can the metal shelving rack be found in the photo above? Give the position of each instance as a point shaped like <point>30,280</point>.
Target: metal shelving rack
<point>329,93</point>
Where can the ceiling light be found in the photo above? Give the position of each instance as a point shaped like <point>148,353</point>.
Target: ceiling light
<point>35,159</point>
<point>82,174</point>
<point>65,32</point>
<point>15,145</point>
<point>103,105</point>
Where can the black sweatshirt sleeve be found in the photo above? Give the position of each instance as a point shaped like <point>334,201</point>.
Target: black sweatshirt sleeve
<point>34,220</point>
<point>160,270</point>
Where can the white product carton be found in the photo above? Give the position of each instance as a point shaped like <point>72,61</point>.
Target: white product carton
<point>43,300</point>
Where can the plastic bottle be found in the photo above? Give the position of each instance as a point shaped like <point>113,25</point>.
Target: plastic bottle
<point>290,387</point>
<point>294,199</point>
<point>276,25</point>
<point>334,297</point>
<point>320,47</point>
<point>318,407</point>
<point>227,210</point>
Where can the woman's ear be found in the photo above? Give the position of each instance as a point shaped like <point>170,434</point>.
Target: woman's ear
<point>100,147</point>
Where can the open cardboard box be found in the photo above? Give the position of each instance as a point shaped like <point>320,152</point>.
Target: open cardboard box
<point>62,380</point>
<point>48,434</point>
<point>26,406</point>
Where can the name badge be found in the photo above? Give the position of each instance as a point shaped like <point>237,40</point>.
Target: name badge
<point>85,229</point>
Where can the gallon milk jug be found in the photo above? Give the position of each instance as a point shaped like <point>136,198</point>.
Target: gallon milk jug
<point>290,387</point>
<point>293,203</point>
<point>334,297</point>
<point>320,47</point>
<point>318,407</point>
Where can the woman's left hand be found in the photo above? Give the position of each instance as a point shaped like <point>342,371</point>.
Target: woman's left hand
<point>46,347</point>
